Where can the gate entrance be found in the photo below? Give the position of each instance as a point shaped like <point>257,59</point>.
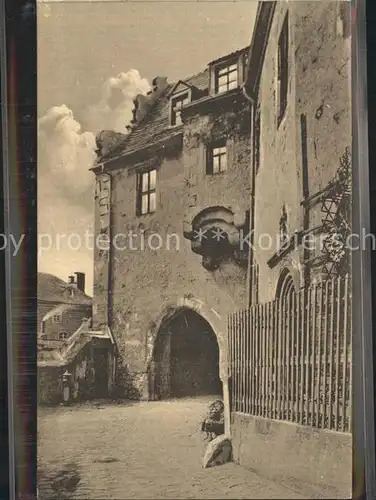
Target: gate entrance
<point>186,358</point>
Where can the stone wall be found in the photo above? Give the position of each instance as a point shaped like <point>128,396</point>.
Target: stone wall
<point>82,375</point>
<point>294,455</point>
<point>50,385</point>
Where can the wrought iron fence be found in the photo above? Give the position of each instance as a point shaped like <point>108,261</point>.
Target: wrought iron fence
<point>291,358</point>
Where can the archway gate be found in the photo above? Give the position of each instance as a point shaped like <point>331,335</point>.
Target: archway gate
<point>185,358</point>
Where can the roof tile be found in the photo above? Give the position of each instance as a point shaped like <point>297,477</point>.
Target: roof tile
<point>52,288</point>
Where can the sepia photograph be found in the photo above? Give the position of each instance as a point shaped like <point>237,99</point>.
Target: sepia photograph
<point>195,236</point>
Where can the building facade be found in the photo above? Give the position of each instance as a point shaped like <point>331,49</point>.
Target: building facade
<point>174,194</point>
<point>298,80</point>
<point>291,353</point>
<point>68,348</point>
<point>62,306</point>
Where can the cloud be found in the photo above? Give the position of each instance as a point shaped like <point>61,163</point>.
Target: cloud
<point>66,152</point>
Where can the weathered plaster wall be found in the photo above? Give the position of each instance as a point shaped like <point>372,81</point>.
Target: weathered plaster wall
<point>323,85</point>
<point>50,385</point>
<point>82,371</point>
<point>276,182</point>
<point>228,189</point>
<point>323,92</point>
<point>312,460</point>
<point>144,282</point>
<point>43,309</point>
<point>101,249</point>
<point>318,83</point>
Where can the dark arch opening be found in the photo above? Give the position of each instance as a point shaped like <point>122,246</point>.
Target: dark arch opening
<point>286,296</point>
<point>186,358</point>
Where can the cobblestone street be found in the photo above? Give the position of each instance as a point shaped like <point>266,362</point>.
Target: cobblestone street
<point>137,450</point>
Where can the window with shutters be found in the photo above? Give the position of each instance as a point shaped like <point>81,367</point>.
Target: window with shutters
<point>226,77</point>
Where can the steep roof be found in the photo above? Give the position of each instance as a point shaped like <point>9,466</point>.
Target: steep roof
<point>155,127</point>
<point>53,289</point>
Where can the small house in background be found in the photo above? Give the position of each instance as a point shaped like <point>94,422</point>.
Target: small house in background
<point>67,344</point>
<point>62,306</point>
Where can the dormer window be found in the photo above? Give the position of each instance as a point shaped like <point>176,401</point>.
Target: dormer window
<point>226,77</point>
<point>177,104</point>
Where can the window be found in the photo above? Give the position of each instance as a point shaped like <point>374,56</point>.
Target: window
<point>217,158</point>
<point>256,139</point>
<point>177,105</point>
<point>146,196</point>
<point>57,318</point>
<point>283,66</point>
<point>63,335</point>
<point>226,78</point>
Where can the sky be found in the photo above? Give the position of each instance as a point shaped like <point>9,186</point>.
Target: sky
<point>93,59</point>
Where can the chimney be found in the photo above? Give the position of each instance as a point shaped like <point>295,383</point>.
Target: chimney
<point>71,280</point>
<point>80,281</point>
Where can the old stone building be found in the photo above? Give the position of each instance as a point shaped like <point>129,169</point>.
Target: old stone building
<point>174,194</point>
<point>298,82</point>
<point>61,306</point>
<point>203,207</point>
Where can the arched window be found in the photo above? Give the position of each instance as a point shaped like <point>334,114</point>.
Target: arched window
<point>286,340</point>
<point>285,285</point>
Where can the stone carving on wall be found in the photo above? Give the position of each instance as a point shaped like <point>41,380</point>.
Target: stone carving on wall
<point>216,233</point>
